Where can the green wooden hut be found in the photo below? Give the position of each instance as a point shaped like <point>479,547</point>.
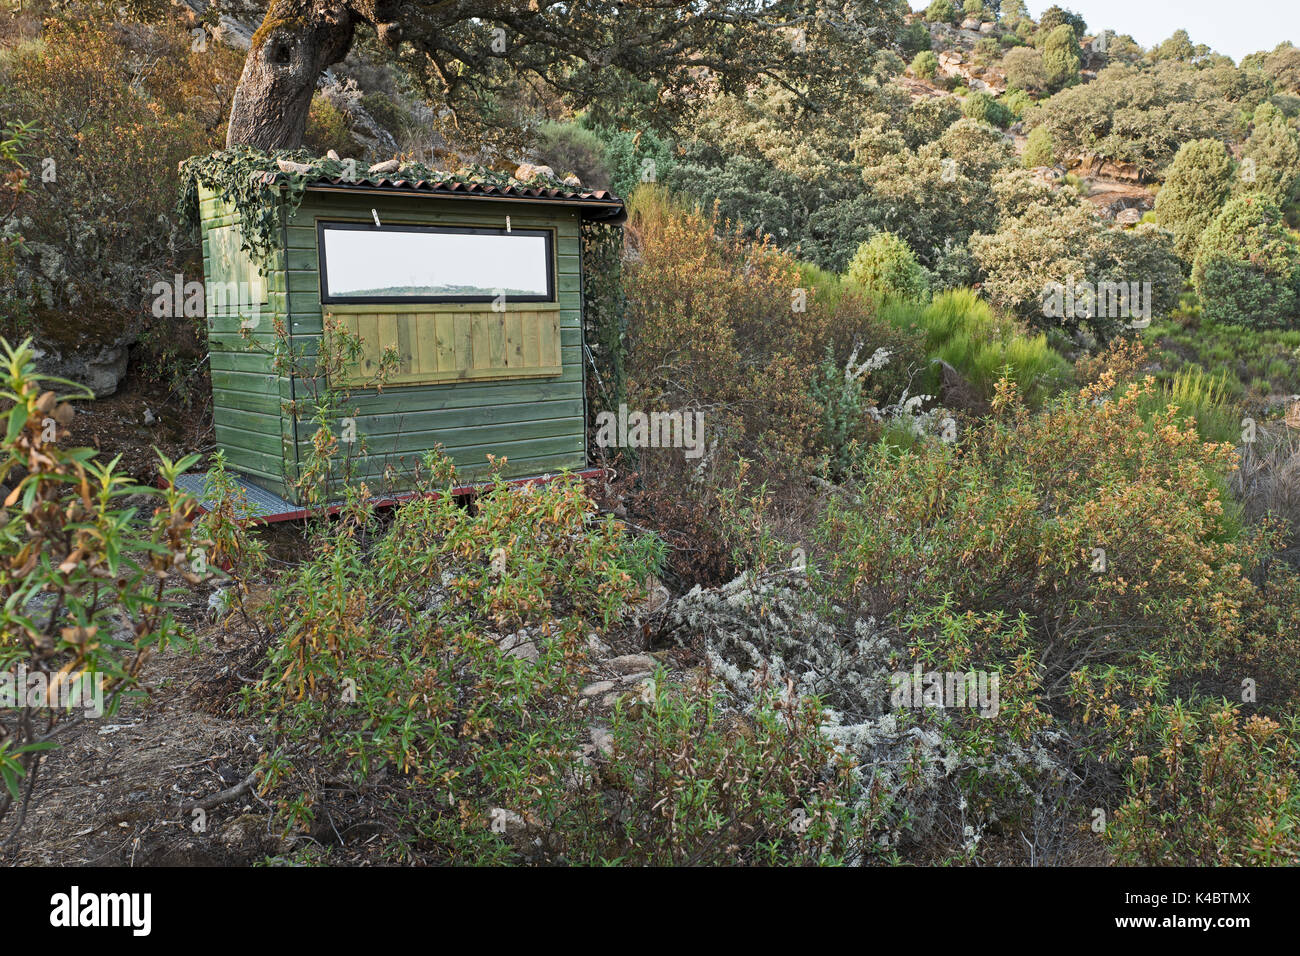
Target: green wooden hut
<point>476,288</point>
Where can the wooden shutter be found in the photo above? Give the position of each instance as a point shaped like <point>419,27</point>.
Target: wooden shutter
<point>434,346</point>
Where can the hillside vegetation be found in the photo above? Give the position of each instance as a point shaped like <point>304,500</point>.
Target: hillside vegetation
<point>998,358</point>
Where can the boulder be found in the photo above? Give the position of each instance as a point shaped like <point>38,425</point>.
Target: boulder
<point>100,366</point>
<point>528,172</point>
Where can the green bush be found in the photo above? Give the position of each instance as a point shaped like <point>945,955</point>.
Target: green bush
<point>885,266</point>
<point>634,156</point>
<point>1247,268</point>
<point>1024,69</point>
<point>924,64</point>
<point>1195,188</point>
<point>1016,102</point>
<point>1214,788</point>
<point>941,11</point>
<point>86,583</point>
<point>1039,150</point>
<point>1270,163</point>
<point>983,108</point>
<point>444,654</point>
<point>571,148</point>
<point>1061,57</point>
<point>914,38</point>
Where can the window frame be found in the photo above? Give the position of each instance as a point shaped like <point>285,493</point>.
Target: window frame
<point>547,234</point>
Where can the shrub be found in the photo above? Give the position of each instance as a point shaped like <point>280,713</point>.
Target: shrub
<point>1271,163</point>
<point>1102,547</point>
<point>113,109</point>
<point>941,11</point>
<point>914,38</point>
<point>1195,187</point>
<point>1126,114</point>
<point>699,784</point>
<point>983,108</point>
<point>86,585</point>
<point>885,267</point>
<point>1039,150</point>
<point>570,148</point>
<point>720,336</point>
<point>1024,69</point>
<point>1054,17</point>
<point>328,128</point>
<point>1034,259</point>
<point>1016,102</point>
<point>12,185</point>
<point>443,656</point>
<point>634,156</point>
<point>1247,268</point>
<point>924,64</point>
<point>935,196</point>
<point>1212,788</point>
<point>1061,58</point>
<point>986,48</point>
<point>727,336</point>
<point>1010,525</point>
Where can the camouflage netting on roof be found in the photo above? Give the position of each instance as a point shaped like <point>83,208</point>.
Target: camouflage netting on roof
<point>253,180</point>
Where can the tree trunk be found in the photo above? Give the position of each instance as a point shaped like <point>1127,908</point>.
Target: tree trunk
<point>297,40</point>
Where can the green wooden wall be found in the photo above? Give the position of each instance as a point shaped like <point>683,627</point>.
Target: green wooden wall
<point>246,389</point>
<point>537,423</point>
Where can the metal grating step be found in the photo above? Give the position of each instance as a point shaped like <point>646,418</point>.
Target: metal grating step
<point>260,503</point>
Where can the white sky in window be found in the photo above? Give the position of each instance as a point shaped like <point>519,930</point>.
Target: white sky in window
<point>360,260</point>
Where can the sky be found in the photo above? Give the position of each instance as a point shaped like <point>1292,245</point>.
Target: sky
<point>1234,27</point>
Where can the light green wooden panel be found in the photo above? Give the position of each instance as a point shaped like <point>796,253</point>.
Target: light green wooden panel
<point>437,346</point>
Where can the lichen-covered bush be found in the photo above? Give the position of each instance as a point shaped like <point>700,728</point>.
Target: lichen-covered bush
<point>925,781</point>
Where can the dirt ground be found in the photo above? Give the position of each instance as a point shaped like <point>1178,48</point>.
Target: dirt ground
<point>111,795</point>
<point>136,419</point>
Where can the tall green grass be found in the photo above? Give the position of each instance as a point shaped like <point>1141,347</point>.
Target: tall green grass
<point>1203,396</point>
<point>962,329</point>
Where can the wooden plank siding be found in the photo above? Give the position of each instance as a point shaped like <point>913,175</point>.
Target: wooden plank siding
<point>509,384</point>
<point>442,346</point>
<point>248,411</point>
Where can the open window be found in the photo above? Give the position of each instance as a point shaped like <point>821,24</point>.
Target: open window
<point>364,264</point>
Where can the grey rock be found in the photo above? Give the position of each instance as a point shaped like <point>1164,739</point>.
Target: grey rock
<point>632,663</point>
<point>99,366</point>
